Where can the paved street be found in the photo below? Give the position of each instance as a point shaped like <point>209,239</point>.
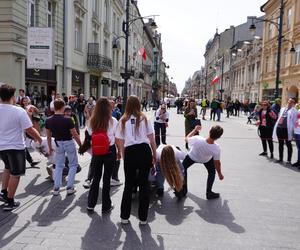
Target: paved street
<point>259,206</point>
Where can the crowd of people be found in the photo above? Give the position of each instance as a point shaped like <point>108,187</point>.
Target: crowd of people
<point>109,137</point>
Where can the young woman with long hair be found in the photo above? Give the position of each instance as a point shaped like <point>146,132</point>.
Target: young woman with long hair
<point>135,138</point>
<point>169,167</point>
<point>102,123</point>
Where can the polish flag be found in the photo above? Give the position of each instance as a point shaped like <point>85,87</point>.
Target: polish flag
<point>215,80</point>
<point>142,53</point>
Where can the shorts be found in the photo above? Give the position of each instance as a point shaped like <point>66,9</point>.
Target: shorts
<point>14,161</point>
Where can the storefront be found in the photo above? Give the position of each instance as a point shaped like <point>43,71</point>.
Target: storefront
<point>94,88</point>
<point>39,85</point>
<point>114,88</point>
<point>105,87</point>
<point>77,82</point>
<point>268,94</point>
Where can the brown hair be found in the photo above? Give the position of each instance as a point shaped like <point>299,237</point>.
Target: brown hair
<point>133,107</point>
<point>7,92</point>
<point>216,132</point>
<point>59,104</point>
<point>170,168</point>
<point>101,115</point>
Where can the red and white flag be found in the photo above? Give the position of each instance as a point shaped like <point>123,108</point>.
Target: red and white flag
<point>142,53</point>
<point>215,80</point>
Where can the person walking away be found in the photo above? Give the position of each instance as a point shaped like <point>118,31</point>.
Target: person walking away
<point>169,167</point>
<point>136,140</point>
<point>88,109</point>
<point>297,137</point>
<point>103,128</point>
<point>213,109</point>
<point>63,131</point>
<point>81,102</point>
<point>237,107</point>
<point>205,151</point>
<point>161,119</point>
<point>12,144</point>
<point>219,109</point>
<point>190,115</point>
<point>144,104</point>
<point>267,119</point>
<point>203,107</point>
<point>284,129</point>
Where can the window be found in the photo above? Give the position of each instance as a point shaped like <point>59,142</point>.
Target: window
<point>123,58</point>
<point>78,35</point>
<point>95,7</point>
<point>95,37</point>
<point>274,62</point>
<point>270,30</point>
<point>285,58</point>
<point>289,18</point>
<point>106,14</point>
<point>105,48</point>
<point>297,54</point>
<point>31,13</point>
<point>114,23</point>
<point>267,65</point>
<point>49,14</point>
<point>118,26</point>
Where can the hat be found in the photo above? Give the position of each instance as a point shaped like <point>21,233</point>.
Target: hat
<point>68,108</point>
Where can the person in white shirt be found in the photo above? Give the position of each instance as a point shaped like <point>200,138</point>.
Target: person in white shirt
<point>297,137</point>
<point>102,121</point>
<point>161,119</point>
<point>12,144</point>
<point>205,151</point>
<point>169,167</point>
<point>135,138</point>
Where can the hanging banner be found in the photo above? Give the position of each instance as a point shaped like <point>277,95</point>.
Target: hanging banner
<point>40,43</point>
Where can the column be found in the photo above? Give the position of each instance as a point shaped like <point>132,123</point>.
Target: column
<point>68,81</point>
<point>22,76</point>
<point>60,88</point>
<point>87,85</point>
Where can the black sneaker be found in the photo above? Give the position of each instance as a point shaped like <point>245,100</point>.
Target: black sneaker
<point>279,161</point>
<point>11,205</point>
<point>159,192</point>
<point>34,163</point>
<point>271,156</point>
<point>263,154</point>
<point>296,164</point>
<point>211,195</point>
<point>106,211</point>
<point>3,197</point>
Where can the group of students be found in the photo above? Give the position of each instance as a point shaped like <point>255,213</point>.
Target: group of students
<point>284,125</point>
<point>131,138</point>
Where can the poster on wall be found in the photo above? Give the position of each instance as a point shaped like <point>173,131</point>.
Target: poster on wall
<point>40,48</point>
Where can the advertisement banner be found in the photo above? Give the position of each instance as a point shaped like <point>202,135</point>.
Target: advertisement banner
<point>40,48</point>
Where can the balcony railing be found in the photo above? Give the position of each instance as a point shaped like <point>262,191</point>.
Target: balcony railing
<point>97,61</point>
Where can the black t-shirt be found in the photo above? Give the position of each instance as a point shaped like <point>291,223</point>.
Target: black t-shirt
<point>60,127</point>
<point>81,105</point>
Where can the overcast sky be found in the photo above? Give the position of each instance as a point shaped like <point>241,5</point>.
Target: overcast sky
<point>186,26</point>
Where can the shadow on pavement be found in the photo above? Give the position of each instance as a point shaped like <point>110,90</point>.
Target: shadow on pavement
<point>217,212</point>
<point>5,236</point>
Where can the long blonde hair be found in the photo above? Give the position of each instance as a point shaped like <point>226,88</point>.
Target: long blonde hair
<point>170,168</point>
<point>133,107</point>
<point>101,115</point>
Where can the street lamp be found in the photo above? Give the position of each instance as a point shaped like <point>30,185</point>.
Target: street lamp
<point>126,25</point>
<point>280,38</point>
<point>166,67</point>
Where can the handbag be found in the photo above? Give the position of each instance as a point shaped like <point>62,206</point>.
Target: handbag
<point>195,122</point>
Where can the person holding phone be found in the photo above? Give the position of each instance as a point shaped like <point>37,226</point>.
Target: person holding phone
<point>190,115</point>
<point>161,124</point>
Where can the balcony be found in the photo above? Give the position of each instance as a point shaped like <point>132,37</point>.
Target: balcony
<point>96,61</point>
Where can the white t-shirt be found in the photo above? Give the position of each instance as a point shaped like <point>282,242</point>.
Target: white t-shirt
<point>111,131</point>
<point>130,136</point>
<point>161,118</point>
<point>201,151</point>
<point>179,155</point>
<point>297,124</point>
<point>14,120</point>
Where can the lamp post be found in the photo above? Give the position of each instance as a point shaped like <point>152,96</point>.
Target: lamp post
<point>166,67</point>
<point>280,38</point>
<point>126,25</point>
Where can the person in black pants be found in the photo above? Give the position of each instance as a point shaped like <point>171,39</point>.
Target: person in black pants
<point>267,119</point>
<point>205,151</point>
<point>161,124</point>
<point>81,102</point>
<point>100,121</point>
<point>135,138</point>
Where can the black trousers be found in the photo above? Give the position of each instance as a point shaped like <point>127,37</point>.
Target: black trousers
<point>115,170</point>
<point>210,167</point>
<point>97,163</point>
<point>160,131</point>
<point>213,114</point>
<point>266,134</point>
<point>136,157</point>
<point>282,134</point>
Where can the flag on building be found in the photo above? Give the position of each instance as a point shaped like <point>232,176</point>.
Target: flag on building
<point>215,80</point>
<point>142,53</point>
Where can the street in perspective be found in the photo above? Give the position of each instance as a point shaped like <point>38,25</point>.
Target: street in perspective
<point>149,124</point>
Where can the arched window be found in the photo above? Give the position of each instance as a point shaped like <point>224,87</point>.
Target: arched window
<point>106,12</point>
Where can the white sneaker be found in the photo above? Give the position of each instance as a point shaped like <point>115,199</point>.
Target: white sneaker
<point>71,191</point>
<point>115,183</point>
<point>87,184</point>
<point>55,191</point>
<point>124,222</point>
<point>143,222</point>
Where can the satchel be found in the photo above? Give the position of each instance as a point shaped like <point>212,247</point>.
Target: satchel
<point>195,123</point>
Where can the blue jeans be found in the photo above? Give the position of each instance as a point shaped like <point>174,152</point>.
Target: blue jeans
<point>297,139</point>
<point>81,118</point>
<point>219,114</point>
<point>64,148</point>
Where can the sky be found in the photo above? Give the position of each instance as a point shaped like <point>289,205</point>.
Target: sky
<point>186,26</point>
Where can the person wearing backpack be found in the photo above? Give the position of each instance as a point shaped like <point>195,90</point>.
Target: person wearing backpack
<point>135,137</point>
<point>104,153</point>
